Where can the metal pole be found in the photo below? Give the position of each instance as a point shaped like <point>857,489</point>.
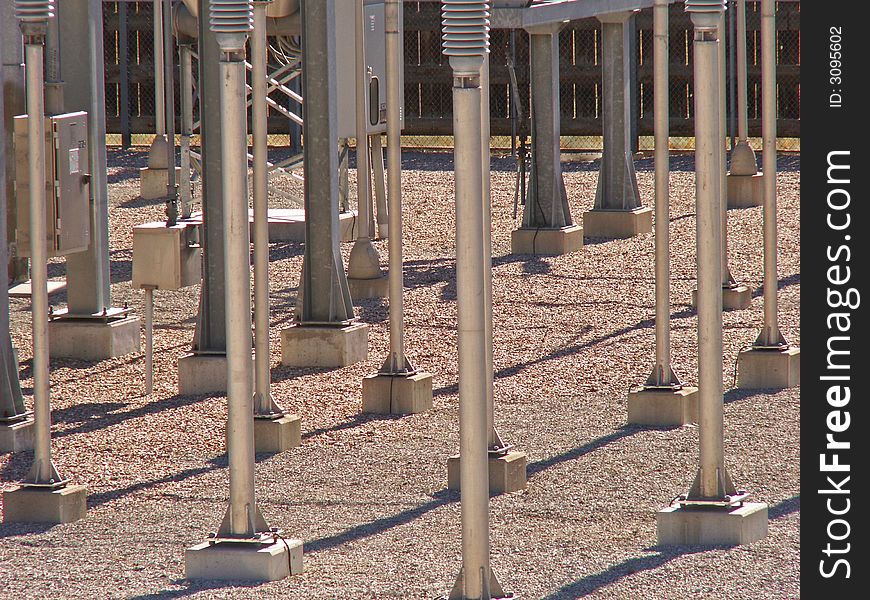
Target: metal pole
<point>124,83</point>
<point>149,339</point>
<point>708,146</point>
<point>396,362</point>
<point>742,115</point>
<point>159,87</point>
<point>663,374</point>
<point>169,111</point>
<point>728,281</point>
<point>42,471</point>
<point>186,97</point>
<point>732,74</point>
<point>264,406</point>
<point>770,334</point>
<point>377,158</point>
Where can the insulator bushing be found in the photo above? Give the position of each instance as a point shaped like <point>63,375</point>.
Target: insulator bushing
<point>705,6</point>
<point>231,21</point>
<point>465,27</point>
<point>34,11</point>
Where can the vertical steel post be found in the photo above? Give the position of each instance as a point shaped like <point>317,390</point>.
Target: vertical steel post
<point>33,18</point>
<point>770,334</point>
<point>149,338</point>
<point>264,405</point>
<point>743,160</point>
<point>728,281</point>
<point>159,85</point>
<point>663,374</point>
<point>186,98</point>
<point>169,113</point>
<point>712,481</point>
<point>124,76</point>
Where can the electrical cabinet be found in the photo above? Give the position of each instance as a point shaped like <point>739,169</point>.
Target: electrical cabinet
<point>376,61</point>
<point>67,184</point>
<point>167,257</point>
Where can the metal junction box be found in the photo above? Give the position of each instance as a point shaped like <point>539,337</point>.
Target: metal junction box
<point>67,184</point>
<point>345,50</point>
<point>166,258</point>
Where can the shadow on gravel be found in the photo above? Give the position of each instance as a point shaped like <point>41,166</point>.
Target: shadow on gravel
<point>539,465</point>
<point>8,530</point>
<point>194,587</point>
<point>356,421</point>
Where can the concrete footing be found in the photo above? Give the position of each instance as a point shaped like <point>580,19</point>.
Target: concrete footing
<point>288,225</point>
<point>87,339</point>
<point>617,224</point>
<point>277,435</point>
<point>368,288</point>
<point>18,436</point>
<point>712,526</point>
<point>553,242</point>
<point>736,298</point>
<point>204,374</point>
<point>506,473</point>
<point>153,182</point>
<point>760,368</point>
<point>663,406</point>
<point>267,561</point>
<point>397,394</point>
<point>324,346</point>
<point>745,191</point>
<point>24,504</point>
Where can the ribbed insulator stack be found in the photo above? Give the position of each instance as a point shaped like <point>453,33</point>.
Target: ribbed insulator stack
<point>231,21</point>
<point>34,11</point>
<point>465,33</point>
<point>705,6</point>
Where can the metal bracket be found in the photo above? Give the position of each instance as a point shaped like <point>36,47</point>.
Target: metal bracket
<point>727,501</point>
<point>107,314</point>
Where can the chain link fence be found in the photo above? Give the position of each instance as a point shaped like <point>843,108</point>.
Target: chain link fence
<point>130,105</point>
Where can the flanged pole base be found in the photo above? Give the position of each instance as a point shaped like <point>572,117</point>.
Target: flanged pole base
<point>663,406</point>
<point>549,242</point>
<point>507,473</point>
<point>617,224</point>
<point>745,191</point>
<point>31,504</point>
<point>682,526</point>
<point>388,394</point>
<point>760,368</point>
<point>738,297</point>
<point>17,436</point>
<point>93,339</point>
<point>269,560</point>
<point>277,435</point>
<point>324,346</point>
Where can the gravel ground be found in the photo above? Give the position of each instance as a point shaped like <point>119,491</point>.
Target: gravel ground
<point>367,495</point>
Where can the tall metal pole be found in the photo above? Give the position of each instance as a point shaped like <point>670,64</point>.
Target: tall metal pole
<point>169,114</point>
<point>770,334</point>
<point>663,374</point>
<point>364,262</point>
<point>264,405</point>
<point>728,281</point>
<point>712,481</point>
<point>159,72</point>
<point>397,362</point>
<point>33,17</point>
<point>466,41</point>
<point>186,97</point>
<point>742,155</point>
<point>231,21</point>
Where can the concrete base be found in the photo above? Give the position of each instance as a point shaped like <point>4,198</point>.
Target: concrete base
<point>397,394</point>
<point>736,298</point>
<point>760,368</point>
<point>712,526</point>
<point>745,191</point>
<point>277,435</point>
<point>15,437</point>
<point>24,504</point>
<point>268,561</point>
<point>205,374</point>
<point>553,242</point>
<point>152,182</point>
<point>368,288</point>
<point>617,224</point>
<point>93,339</point>
<point>506,473</point>
<point>324,346</point>
<point>661,406</point>
<point>24,290</point>
<point>288,225</point>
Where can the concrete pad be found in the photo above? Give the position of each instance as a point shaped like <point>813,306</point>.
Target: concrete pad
<point>368,288</point>
<point>23,290</point>
<point>661,406</point>
<point>506,473</point>
<point>288,225</point>
<point>617,224</point>
<point>267,561</point>
<point>153,182</point>
<point>324,346</point>
<point>93,339</point>
<point>18,436</point>
<point>736,298</point>
<point>277,435</point>
<point>712,526</point>
<point>553,242</point>
<point>745,191</point>
<point>397,394</point>
<point>23,504</point>
<point>760,368</point>
<point>205,374</point>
